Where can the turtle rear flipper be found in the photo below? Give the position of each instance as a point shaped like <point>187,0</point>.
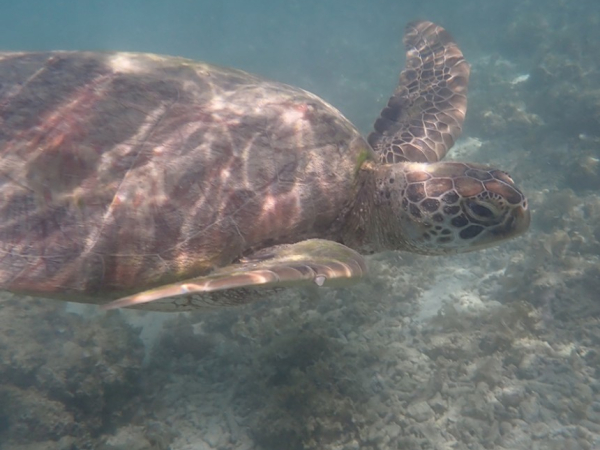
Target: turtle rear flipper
<point>306,263</point>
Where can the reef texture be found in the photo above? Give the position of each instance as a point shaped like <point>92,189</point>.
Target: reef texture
<point>492,350</point>
<point>64,379</point>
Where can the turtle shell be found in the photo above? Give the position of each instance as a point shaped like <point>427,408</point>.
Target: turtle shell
<point>119,171</point>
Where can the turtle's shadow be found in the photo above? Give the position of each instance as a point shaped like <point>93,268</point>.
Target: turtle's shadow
<point>283,369</point>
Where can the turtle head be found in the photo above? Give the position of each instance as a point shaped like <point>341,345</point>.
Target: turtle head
<point>449,207</point>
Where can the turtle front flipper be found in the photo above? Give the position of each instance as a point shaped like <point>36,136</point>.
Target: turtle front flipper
<point>306,263</point>
<point>424,117</point>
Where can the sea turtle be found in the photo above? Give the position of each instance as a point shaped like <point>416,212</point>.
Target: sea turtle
<point>181,185</point>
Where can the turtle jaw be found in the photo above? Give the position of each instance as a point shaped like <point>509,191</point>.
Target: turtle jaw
<point>516,222</point>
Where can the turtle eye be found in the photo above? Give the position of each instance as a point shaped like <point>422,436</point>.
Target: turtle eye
<point>481,212</point>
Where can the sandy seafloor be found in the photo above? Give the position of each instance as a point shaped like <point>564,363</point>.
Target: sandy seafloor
<point>493,350</point>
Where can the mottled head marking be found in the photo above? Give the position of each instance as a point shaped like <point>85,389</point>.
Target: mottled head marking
<point>451,207</point>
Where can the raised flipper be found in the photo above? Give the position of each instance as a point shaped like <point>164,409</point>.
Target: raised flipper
<point>424,117</point>
<point>308,263</point>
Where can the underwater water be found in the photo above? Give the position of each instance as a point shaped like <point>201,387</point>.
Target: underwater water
<point>497,349</point>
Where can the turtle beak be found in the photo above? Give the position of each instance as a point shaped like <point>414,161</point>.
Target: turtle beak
<point>516,223</point>
<point>521,217</point>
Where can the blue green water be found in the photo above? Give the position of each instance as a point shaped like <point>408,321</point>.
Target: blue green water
<point>314,44</point>
<point>492,350</point>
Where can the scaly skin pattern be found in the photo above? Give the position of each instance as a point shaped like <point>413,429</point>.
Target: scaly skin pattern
<point>119,172</point>
<point>434,209</point>
<point>410,200</point>
<point>424,117</point>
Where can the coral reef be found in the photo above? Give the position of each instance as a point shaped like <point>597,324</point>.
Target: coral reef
<point>494,350</point>
<point>65,378</point>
